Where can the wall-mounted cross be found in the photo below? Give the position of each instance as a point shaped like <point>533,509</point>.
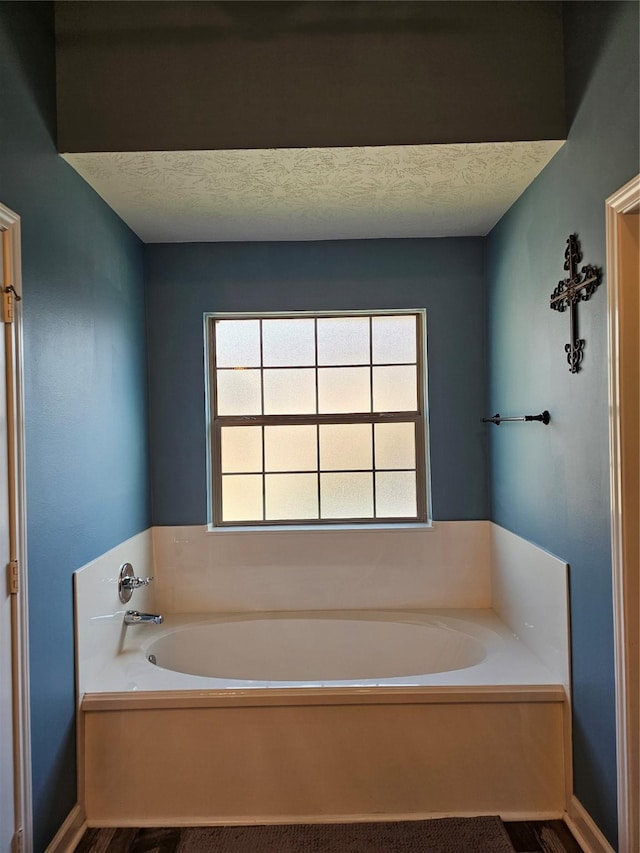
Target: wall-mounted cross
<point>579,287</point>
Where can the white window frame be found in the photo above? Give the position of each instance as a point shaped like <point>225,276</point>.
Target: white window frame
<point>421,418</point>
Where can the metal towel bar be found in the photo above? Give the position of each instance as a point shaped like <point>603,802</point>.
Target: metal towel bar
<point>543,417</point>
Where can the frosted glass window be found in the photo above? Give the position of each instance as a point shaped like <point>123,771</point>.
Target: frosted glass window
<point>317,417</point>
<point>395,445</point>
<point>289,392</point>
<point>396,494</point>
<point>291,448</point>
<point>348,495</point>
<point>238,343</point>
<point>394,389</point>
<point>238,392</point>
<point>344,389</point>
<point>242,497</point>
<point>240,449</point>
<point>394,339</point>
<point>291,496</point>
<point>343,340</point>
<point>345,447</point>
<point>288,343</point>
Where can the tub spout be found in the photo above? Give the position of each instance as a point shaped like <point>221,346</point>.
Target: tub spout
<point>133,617</point>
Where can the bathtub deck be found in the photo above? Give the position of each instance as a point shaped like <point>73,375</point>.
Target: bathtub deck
<point>508,660</point>
<point>305,696</point>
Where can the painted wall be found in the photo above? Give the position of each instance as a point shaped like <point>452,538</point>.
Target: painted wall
<point>85,377</point>
<point>444,276</point>
<point>551,484</point>
<point>159,76</point>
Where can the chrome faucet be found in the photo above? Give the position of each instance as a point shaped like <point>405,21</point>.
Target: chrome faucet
<point>134,617</point>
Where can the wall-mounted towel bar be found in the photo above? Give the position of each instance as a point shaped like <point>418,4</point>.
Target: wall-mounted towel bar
<point>543,417</point>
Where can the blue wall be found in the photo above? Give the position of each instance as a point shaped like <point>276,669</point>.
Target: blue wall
<point>85,387</point>
<point>551,485</point>
<point>444,276</point>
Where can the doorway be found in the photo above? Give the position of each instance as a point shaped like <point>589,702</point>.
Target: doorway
<point>15,760</point>
<point>623,277</point>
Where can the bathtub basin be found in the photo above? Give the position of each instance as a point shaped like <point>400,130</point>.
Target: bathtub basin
<point>317,648</point>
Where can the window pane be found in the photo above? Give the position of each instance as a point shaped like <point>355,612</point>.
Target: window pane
<point>289,392</point>
<point>346,495</point>
<point>394,389</point>
<point>395,445</point>
<point>290,448</point>
<point>238,392</point>
<point>242,497</point>
<point>343,389</point>
<point>291,496</point>
<point>343,340</point>
<point>394,339</point>
<point>288,342</point>
<point>396,494</point>
<point>345,446</point>
<point>241,449</point>
<point>238,343</point>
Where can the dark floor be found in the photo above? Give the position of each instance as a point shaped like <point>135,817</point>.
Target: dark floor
<point>550,836</point>
<point>525,836</point>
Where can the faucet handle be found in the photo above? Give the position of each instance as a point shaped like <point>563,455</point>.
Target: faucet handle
<point>135,583</point>
<point>127,582</point>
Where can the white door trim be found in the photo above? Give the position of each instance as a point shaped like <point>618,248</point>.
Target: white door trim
<point>626,607</point>
<point>10,221</point>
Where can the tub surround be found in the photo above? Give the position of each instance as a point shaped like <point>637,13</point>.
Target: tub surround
<point>446,565</point>
<point>99,613</point>
<point>530,594</point>
<point>452,565</point>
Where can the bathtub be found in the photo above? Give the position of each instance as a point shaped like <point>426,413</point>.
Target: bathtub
<point>341,649</point>
<point>341,715</point>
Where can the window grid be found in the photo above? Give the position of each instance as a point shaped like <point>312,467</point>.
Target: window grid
<point>373,429</point>
<point>318,484</point>
<point>317,419</point>
<point>264,451</point>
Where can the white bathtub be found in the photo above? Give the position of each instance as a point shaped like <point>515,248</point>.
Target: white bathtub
<point>320,649</point>
<point>341,715</point>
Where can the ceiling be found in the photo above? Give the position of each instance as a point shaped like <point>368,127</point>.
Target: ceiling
<point>315,193</point>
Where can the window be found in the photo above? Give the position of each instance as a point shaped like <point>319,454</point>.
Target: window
<point>317,419</point>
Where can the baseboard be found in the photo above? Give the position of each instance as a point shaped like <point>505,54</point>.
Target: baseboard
<point>585,830</point>
<point>262,820</point>
<point>70,833</point>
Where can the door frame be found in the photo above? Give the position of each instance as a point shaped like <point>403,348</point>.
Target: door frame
<point>10,222</point>
<point>626,603</point>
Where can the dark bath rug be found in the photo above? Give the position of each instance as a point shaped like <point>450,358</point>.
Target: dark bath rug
<point>444,835</point>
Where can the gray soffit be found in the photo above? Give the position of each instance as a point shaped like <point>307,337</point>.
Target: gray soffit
<point>315,193</point>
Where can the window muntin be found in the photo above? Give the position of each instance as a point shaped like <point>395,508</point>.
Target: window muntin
<point>317,419</point>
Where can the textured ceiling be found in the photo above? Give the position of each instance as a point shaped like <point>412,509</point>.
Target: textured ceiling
<point>314,193</point>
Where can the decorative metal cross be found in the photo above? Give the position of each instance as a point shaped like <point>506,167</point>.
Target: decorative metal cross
<point>579,287</point>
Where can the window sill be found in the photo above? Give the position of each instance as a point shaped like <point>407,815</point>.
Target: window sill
<point>320,528</point>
